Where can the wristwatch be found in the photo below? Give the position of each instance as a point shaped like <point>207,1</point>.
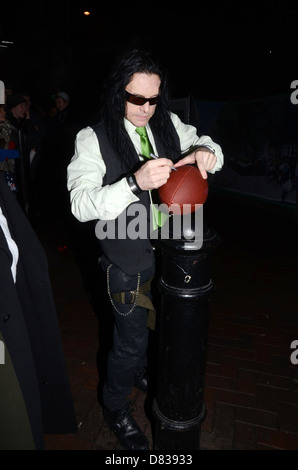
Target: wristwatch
<point>133,185</point>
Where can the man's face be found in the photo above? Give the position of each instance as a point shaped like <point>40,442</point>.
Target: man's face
<point>145,86</point>
<point>60,103</point>
<point>20,111</point>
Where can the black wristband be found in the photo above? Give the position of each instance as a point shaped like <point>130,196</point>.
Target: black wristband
<point>133,185</point>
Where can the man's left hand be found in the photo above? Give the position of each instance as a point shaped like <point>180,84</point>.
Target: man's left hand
<point>204,158</point>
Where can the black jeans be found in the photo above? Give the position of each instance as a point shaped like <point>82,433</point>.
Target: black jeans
<point>130,339</point>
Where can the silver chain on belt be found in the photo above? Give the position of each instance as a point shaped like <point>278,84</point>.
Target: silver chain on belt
<point>110,295</point>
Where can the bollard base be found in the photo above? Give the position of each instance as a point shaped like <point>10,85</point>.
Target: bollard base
<point>177,435</point>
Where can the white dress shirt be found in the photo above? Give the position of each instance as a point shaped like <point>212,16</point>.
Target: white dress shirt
<point>11,245</point>
<point>92,201</point>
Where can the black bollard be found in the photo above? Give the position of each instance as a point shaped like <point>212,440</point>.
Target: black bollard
<point>186,286</point>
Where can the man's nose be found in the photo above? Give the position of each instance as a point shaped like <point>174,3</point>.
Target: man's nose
<point>146,107</point>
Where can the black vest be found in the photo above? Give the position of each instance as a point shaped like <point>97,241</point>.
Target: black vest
<point>130,255</point>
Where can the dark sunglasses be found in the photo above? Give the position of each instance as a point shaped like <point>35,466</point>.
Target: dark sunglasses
<point>139,100</point>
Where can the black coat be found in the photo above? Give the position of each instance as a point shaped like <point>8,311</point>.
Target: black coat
<point>30,331</point>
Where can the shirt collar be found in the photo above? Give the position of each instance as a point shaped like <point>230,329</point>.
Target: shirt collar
<point>130,127</point>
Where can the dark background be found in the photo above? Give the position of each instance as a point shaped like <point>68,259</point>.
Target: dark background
<point>213,52</point>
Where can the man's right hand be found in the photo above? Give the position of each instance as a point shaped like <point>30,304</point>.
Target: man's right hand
<point>154,173</point>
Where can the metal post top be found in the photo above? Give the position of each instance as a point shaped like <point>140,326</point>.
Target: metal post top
<point>208,241</point>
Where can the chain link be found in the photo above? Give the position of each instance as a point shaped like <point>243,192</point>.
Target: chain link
<point>110,295</point>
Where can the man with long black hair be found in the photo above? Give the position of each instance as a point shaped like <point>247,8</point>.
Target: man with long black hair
<point>107,177</point>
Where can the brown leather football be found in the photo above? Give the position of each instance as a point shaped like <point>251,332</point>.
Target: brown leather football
<point>184,191</point>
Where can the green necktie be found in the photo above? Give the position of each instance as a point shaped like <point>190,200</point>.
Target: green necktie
<point>145,142</point>
<point>158,217</point>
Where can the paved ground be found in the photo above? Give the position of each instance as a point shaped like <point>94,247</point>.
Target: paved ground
<point>251,389</point>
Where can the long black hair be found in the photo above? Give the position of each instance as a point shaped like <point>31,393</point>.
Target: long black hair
<point>113,101</point>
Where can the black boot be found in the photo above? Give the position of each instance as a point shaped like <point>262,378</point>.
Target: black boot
<point>126,429</point>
